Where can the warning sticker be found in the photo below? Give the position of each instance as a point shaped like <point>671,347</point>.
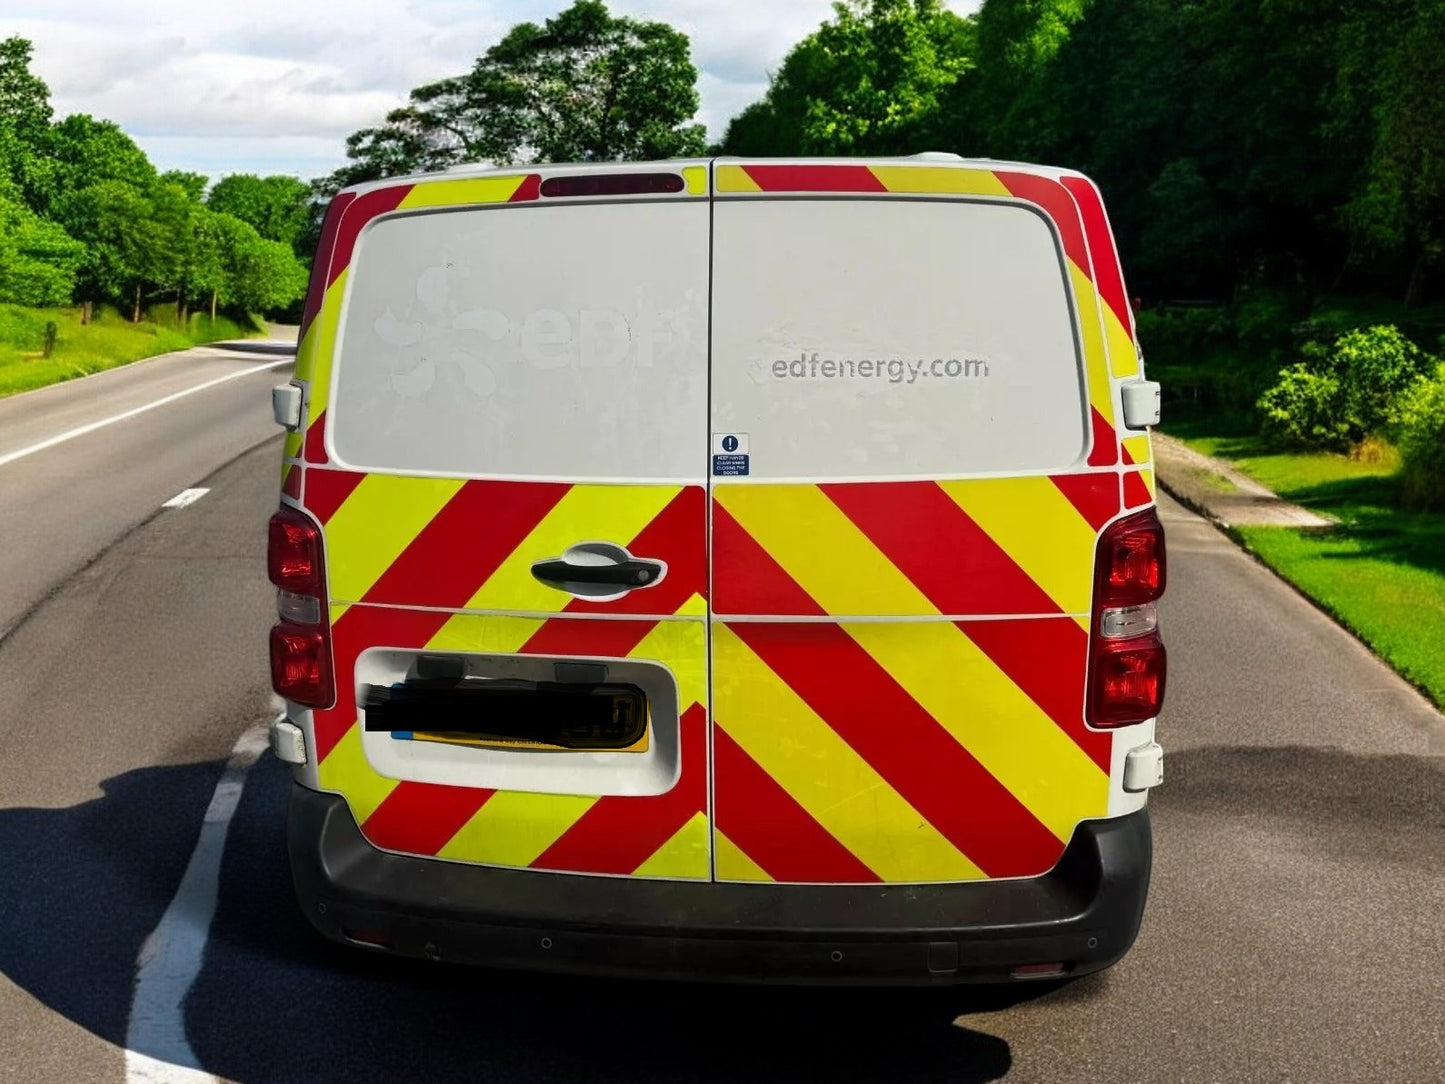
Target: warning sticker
<point>729,454</point>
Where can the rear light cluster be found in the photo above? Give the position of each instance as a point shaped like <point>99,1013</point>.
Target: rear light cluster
<point>301,643</point>
<point>1126,656</point>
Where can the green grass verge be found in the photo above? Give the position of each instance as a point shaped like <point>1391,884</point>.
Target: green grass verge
<point>1380,572</point>
<point>81,349</point>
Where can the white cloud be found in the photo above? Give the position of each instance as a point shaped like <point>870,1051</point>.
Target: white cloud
<point>278,85</point>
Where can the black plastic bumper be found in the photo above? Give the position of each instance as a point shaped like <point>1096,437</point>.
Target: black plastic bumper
<point>1084,914</point>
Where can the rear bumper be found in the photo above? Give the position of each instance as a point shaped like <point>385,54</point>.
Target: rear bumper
<point>1085,914</point>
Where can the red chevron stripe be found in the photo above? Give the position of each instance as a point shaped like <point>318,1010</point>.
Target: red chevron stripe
<point>291,484</point>
<point>529,189</point>
<point>314,448</point>
<point>783,178</point>
<point>1055,201</point>
<point>327,490</point>
<point>320,267</point>
<point>617,834</point>
<point>1048,659</point>
<point>362,627</point>
<point>677,535</point>
<point>465,543</point>
<point>1095,496</point>
<point>354,218</point>
<point>420,818</point>
<point>935,543</point>
<point>1105,452</point>
<point>1108,275</point>
<point>769,825</point>
<point>1136,493</point>
<point>884,725</point>
<point>745,577</point>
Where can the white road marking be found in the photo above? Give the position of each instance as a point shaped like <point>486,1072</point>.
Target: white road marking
<point>80,431</point>
<point>170,959</point>
<point>185,497</point>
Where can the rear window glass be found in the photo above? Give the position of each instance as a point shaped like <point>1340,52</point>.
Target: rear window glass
<point>564,342</point>
<point>894,338</point>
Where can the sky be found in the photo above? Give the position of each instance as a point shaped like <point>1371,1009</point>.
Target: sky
<point>276,86</point>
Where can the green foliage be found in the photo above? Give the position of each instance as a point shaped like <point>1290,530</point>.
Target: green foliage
<point>107,340</point>
<point>1420,433</point>
<point>584,86</point>
<point>868,81</point>
<point>1342,393</point>
<point>279,208</point>
<point>38,259</point>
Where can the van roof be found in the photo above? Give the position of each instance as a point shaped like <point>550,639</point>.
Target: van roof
<point>464,170</point>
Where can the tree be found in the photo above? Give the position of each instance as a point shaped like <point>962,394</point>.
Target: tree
<point>83,151</point>
<point>867,82</point>
<point>279,208</point>
<point>584,86</point>
<point>24,117</point>
<point>117,223</point>
<point>38,259</point>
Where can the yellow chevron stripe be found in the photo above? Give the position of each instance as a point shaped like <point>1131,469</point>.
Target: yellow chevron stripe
<point>1147,476</point>
<point>457,192</point>
<point>381,517</point>
<point>1123,354</point>
<point>316,366</point>
<point>294,443</point>
<point>1138,448</point>
<point>696,178</point>
<point>515,828</point>
<point>346,769</point>
<point>991,717</point>
<point>732,863</point>
<point>1096,362</point>
<point>940,179</point>
<point>587,513</point>
<point>1038,527</point>
<point>823,550</point>
<point>681,646</point>
<point>479,632</point>
<point>734,179</point>
<point>684,856</point>
<point>823,773</point>
<point>696,606</point>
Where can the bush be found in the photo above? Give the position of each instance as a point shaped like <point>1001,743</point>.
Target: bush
<point>1419,431</point>
<point>1342,393</point>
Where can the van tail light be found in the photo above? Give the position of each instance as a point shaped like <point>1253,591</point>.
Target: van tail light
<point>1127,660</point>
<point>301,644</point>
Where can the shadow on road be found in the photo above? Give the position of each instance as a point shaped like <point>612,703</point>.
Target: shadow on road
<point>242,346</point>
<point>81,888</point>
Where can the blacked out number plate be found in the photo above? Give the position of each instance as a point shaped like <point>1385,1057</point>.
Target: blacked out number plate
<point>560,715</point>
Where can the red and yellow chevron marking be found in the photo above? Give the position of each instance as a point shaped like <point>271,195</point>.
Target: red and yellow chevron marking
<point>1075,212</point>
<point>662,836</point>
<point>947,744</point>
<point>410,563</point>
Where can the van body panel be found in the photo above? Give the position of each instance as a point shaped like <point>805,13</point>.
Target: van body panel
<point>476,408</point>
<point>902,580</point>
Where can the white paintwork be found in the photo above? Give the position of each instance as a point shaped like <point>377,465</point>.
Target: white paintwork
<point>91,427</point>
<point>288,742</point>
<point>1126,739</point>
<point>157,1050</point>
<point>186,497</point>
<point>566,341</point>
<point>966,304</point>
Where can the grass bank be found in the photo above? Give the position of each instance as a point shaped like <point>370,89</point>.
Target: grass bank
<point>1380,572</point>
<point>81,349</point>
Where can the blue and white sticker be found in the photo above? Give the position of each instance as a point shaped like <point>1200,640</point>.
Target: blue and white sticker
<point>729,455</point>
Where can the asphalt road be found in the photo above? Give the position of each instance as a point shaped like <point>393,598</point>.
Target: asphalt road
<point>1293,932</point>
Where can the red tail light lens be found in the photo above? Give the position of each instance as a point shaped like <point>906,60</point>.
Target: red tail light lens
<point>1127,660</point>
<point>1131,564</point>
<point>301,665</point>
<point>1127,681</point>
<point>293,553</point>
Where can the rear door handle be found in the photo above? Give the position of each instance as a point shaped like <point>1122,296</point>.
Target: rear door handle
<point>598,570</point>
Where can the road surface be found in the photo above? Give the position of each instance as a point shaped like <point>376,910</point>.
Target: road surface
<point>1293,931</point>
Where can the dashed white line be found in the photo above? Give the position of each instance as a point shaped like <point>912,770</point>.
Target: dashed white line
<point>157,1051</point>
<point>80,431</point>
<point>185,497</point>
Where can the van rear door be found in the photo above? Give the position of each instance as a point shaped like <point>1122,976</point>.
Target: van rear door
<point>913,456</point>
<point>507,379</point>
